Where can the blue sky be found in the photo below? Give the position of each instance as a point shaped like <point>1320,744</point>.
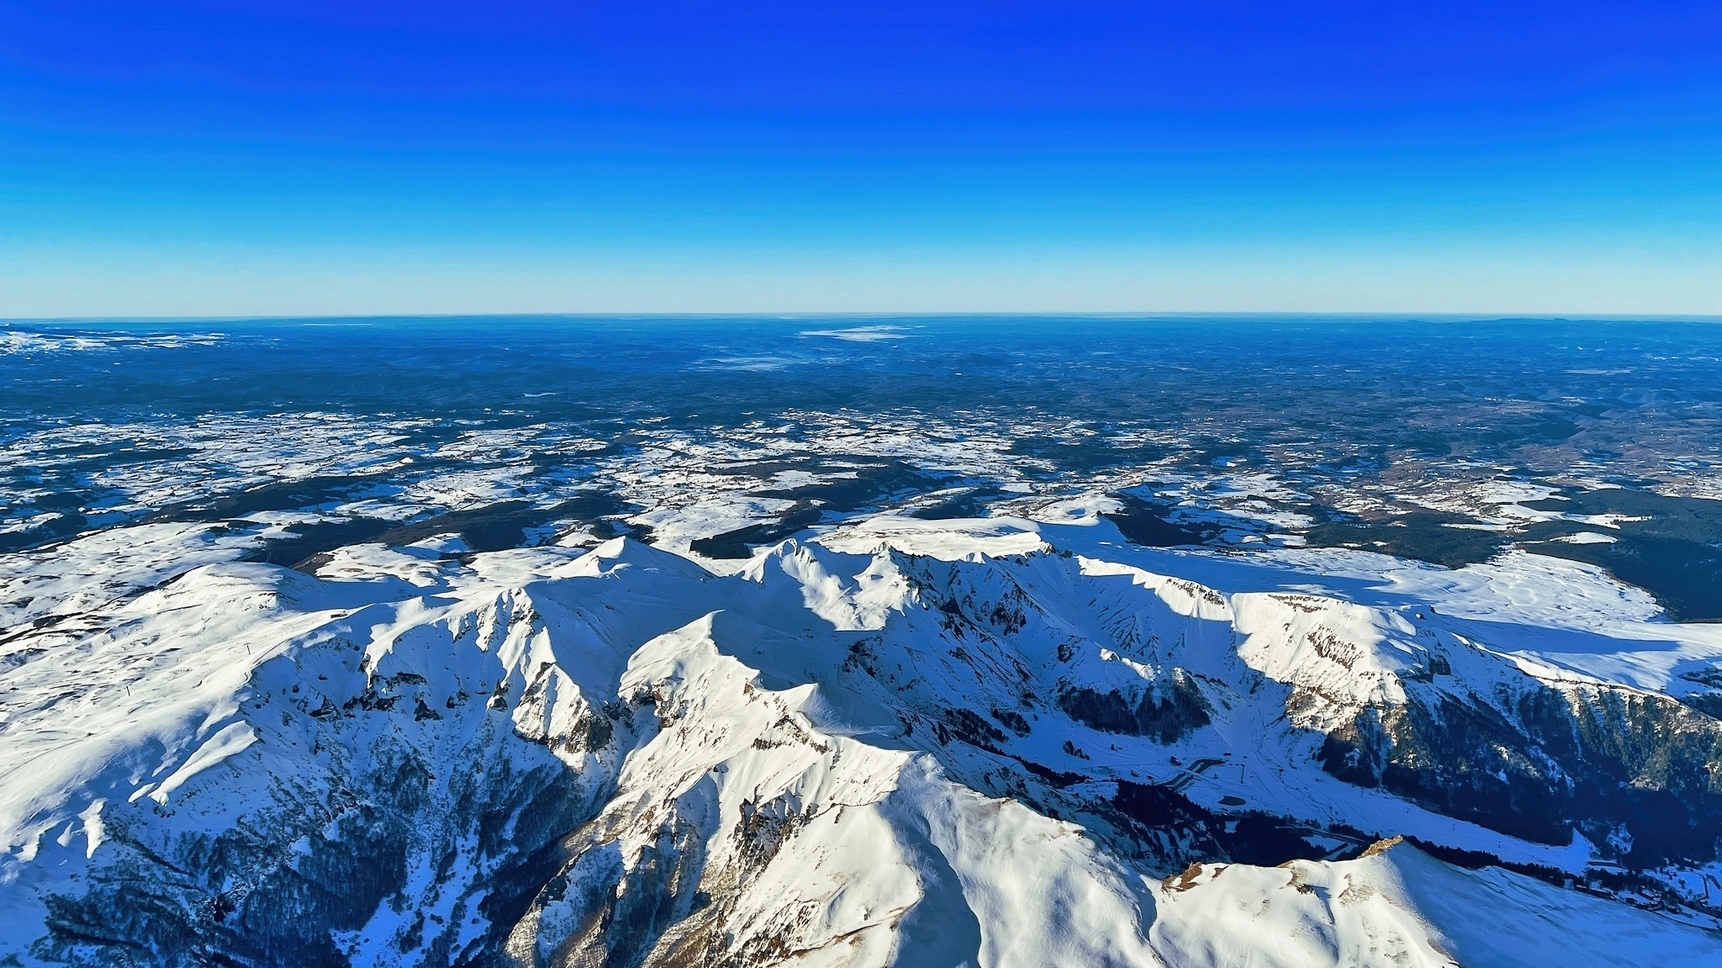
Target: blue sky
<point>232,158</point>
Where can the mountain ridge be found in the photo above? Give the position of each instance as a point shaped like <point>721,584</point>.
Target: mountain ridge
<point>625,756</point>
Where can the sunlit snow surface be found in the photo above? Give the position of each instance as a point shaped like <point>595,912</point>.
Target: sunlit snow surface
<point>242,560</point>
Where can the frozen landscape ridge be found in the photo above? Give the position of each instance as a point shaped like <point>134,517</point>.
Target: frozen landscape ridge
<point>925,691</point>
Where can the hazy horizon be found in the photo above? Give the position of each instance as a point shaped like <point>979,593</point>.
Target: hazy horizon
<point>929,318</point>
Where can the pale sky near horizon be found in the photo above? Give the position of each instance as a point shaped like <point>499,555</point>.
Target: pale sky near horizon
<point>192,158</point>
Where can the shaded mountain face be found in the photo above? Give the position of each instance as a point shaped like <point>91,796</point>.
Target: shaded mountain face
<point>909,741</point>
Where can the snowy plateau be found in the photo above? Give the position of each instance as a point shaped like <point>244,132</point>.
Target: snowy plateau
<point>861,642</point>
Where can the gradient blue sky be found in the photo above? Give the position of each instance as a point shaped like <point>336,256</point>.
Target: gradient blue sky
<point>215,158</point>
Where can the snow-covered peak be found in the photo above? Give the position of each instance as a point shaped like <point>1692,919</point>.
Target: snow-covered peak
<point>993,741</point>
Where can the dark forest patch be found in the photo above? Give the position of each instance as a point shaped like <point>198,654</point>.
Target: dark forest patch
<point>739,543</point>
<point>1432,536</point>
<point>1150,524</point>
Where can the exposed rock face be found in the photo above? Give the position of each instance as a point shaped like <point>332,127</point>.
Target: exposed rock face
<point>619,758</point>
<point>1538,761</point>
<point>1167,713</point>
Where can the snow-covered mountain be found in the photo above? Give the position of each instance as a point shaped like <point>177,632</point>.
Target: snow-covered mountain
<point>996,741</point>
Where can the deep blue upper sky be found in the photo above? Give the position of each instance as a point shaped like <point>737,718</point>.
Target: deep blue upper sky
<point>178,157</point>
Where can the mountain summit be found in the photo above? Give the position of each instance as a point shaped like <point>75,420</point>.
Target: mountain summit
<point>990,741</point>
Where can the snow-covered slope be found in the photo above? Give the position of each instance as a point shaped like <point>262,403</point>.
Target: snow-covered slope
<point>1396,906</point>
<point>988,742</point>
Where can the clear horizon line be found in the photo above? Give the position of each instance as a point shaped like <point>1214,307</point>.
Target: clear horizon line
<point>890,314</point>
